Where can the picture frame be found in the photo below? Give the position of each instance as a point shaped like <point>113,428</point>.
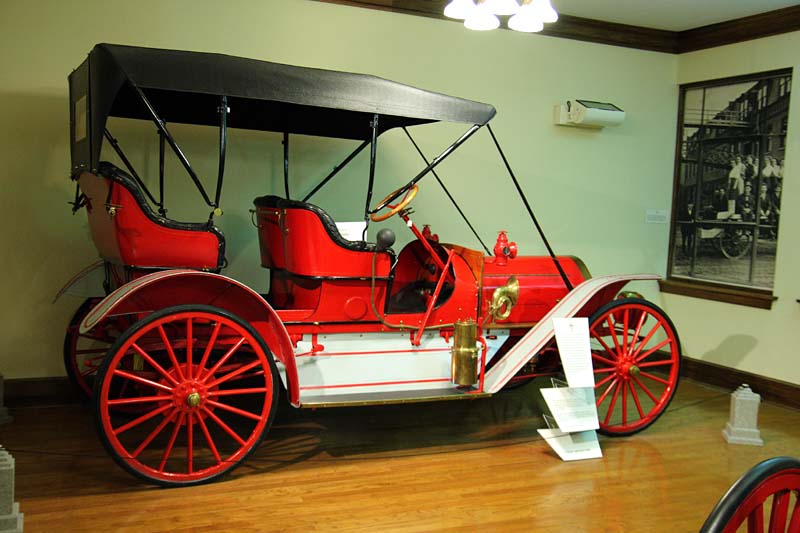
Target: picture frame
<point>730,155</point>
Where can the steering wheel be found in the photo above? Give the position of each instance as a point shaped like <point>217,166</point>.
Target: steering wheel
<point>410,194</point>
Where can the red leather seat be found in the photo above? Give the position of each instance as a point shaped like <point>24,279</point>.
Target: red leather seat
<point>303,239</point>
<point>126,231</point>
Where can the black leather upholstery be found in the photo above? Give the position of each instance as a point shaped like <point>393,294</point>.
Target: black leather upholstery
<point>413,298</point>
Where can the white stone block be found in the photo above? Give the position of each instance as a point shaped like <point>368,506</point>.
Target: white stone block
<point>742,428</point>
<point>10,517</point>
<point>12,523</point>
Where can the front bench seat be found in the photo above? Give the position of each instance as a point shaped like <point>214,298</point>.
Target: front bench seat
<point>303,239</point>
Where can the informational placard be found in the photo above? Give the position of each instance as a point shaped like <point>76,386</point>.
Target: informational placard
<point>572,337</point>
<point>573,408</point>
<point>352,231</point>
<point>656,216</point>
<point>573,446</point>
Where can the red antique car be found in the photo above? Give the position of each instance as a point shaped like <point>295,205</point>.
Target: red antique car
<point>185,364</point>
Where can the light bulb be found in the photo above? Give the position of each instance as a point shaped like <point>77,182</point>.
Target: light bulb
<point>459,9</point>
<point>544,10</point>
<point>525,21</point>
<point>481,18</point>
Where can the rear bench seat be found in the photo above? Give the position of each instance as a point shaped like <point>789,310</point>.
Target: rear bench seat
<point>126,231</point>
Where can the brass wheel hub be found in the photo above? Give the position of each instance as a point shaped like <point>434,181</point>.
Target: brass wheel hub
<point>193,400</point>
<point>189,396</point>
<point>627,368</point>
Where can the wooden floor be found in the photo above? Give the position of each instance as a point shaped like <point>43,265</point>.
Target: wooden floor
<point>419,467</point>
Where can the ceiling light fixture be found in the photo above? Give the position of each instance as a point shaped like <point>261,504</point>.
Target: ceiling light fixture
<point>526,15</point>
<point>459,9</point>
<point>481,18</point>
<point>545,10</point>
<point>526,21</point>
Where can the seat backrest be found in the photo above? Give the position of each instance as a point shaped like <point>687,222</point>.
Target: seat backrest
<point>303,239</point>
<point>126,231</point>
<point>269,221</point>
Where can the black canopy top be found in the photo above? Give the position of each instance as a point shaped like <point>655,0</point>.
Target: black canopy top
<point>185,87</point>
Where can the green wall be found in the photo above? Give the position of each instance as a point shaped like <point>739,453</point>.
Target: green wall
<point>589,188</point>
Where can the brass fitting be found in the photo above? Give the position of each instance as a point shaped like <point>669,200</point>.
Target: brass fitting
<point>464,360</point>
<point>504,299</point>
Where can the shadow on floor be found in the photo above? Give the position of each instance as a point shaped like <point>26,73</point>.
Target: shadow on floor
<point>60,453</point>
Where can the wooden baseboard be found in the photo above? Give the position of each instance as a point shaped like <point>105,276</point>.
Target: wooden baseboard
<point>771,390</point>
<point>58,390</point>
<point>27,392</point>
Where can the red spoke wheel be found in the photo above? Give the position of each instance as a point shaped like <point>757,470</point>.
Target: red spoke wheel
<point>637,359</point>
<point>84,353</point>
<point>206,389</point>
<point>769,493</point>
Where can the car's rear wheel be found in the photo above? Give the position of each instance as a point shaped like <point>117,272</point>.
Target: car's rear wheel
<point>205,387</point>
<point>83,353</point>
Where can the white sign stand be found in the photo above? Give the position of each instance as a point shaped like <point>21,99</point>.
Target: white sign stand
<point>573,446</point>
<point>573,407</point>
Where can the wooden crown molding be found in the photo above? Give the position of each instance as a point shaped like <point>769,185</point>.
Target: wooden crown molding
<point>596,31</point>
<point>738,30</point>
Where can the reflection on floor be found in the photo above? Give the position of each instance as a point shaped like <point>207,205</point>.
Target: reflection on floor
<point>449,465</point>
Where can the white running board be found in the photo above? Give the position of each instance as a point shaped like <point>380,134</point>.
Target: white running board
<point>540,334</point>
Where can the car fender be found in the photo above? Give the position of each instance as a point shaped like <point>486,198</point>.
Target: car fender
<point>77,278</point>
<point>583,300</point>
<point>174,287</point>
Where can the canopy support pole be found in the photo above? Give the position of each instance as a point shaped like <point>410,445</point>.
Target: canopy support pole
<point>336,169</point>
<point>114,144</point>
<point>530,211</point>
<point>175,148</point>
<point>372,155</point>
<point>433,164</point>
<point>435,175</point>
<point>286,163</point>
<point>161,155</point>
<point>223,144</point>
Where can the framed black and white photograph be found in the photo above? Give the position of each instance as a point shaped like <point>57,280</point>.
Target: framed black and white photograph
<point>729,180</point>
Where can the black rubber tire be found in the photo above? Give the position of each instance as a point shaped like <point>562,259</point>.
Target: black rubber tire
<point>735,497</point>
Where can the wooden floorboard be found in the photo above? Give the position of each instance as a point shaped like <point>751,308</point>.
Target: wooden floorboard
<point>418,467</point>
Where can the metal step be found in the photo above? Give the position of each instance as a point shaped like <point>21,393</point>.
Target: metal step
<point>388,397</point>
